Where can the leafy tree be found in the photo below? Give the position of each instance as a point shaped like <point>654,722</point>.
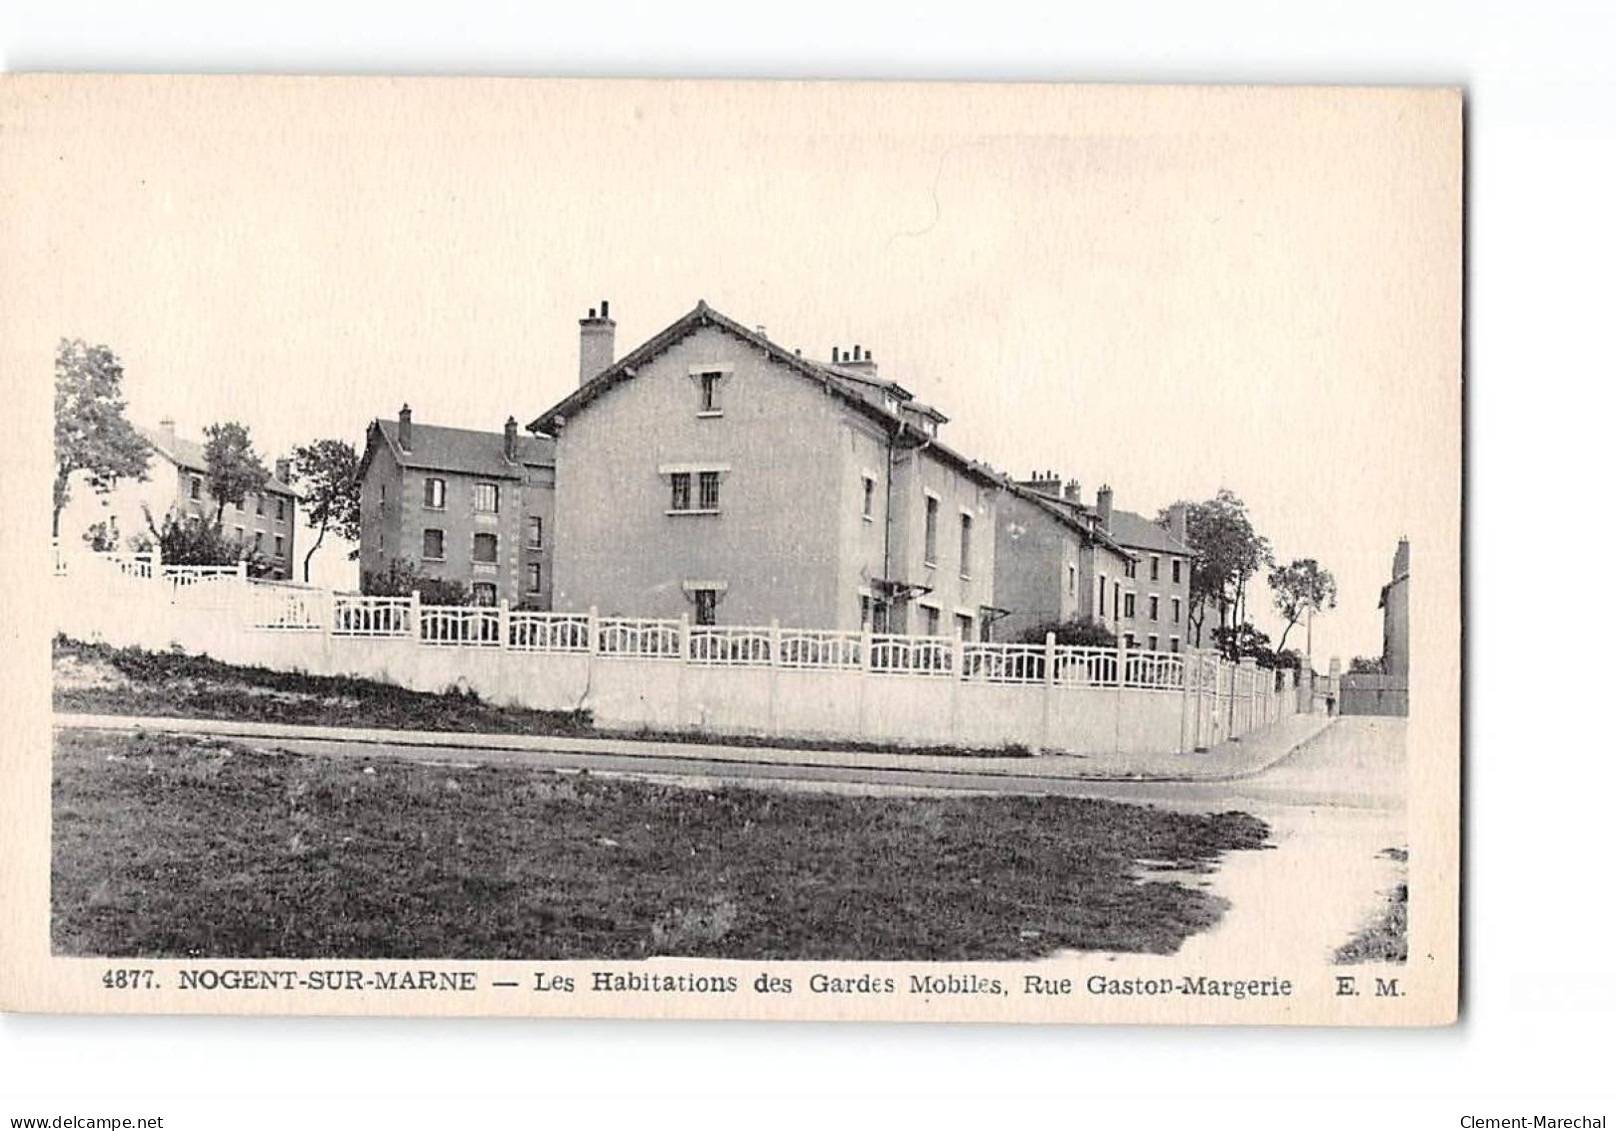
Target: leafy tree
<point>1228,552</point>
<point>234,469</point>
<point>402,577</point>
<point>1367,665</point>
<point>1238,642</point>
<point>1077,632</point>
<point>195,542</point>
<point>92,434</point>
<point>1300,588</point>
<point>327,470</point>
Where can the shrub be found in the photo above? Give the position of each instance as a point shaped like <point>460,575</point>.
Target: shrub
<point>1078,632</point>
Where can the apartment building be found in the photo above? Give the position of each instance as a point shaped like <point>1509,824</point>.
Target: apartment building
<point>1148,603</point>
<point>1051,550</point>
<point>713,473</point>
<point>460,505</point>
<point>177,485</point>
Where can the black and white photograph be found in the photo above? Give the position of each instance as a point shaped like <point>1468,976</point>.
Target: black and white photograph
<point>657,549</point>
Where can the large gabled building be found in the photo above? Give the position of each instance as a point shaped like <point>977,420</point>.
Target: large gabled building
<point>459,505</point>
<point>177,486</point>
<point>715,474</point>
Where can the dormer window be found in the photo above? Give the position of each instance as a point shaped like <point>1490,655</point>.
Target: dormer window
<point>709,380</point>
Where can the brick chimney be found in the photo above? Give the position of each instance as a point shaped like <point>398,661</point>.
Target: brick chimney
<point>1102,502</point>
<point>1044,482</point>
<point>510,438</point>
<point>1178,522</point>
<point>858,359</point>
<point>283,470</point>
<point>404,435</point>
<point>1072,492</point>
<point>597,336</point>
<point>165,429</point>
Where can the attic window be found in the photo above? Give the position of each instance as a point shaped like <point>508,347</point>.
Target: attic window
<point>709,381</point>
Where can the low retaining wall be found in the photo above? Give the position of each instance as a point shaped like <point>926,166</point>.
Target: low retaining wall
<point>765,682</point>
<point>1365,693</point>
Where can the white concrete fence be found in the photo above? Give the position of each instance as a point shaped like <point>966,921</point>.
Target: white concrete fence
<point>670,675</point>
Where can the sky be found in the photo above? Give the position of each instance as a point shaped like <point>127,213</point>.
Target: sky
<point>1170,291</point>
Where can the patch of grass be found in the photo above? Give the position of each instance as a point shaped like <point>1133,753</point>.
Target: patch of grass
<point>1386,939</point>
<point>98,679</point>
<point>180,846</point>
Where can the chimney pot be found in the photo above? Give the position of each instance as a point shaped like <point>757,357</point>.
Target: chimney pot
<point>835,355</point>
<point>604,309</point>
<point>166,427</point>
<point>404,435</point>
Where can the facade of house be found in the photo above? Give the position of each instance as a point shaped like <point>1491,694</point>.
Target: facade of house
<point>1148,604</point>
<point>1394,611</point>
<point>715,474</point>
<point>460,505</point>
<point>1051,549</point>
<point>176,484</point>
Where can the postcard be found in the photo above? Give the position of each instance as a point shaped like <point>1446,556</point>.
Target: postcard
<point>760,550</point>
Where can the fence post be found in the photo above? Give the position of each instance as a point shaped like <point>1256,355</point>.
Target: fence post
<point>1122,684</point>
<point>1184,705</point>
<point>504,622</point>
<point>684,664</point>
<point>328,626</point>
<point>1046,727</point>
<point>866,660</point>
<point>957,677</point>
<point>774,675</point>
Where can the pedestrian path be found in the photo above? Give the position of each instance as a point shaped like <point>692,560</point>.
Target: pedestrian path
<point>1227,761</point>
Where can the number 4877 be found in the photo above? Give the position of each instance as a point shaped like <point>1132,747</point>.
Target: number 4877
<point>129,979</point>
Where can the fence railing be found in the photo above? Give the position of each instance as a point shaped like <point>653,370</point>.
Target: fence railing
<point>548,632</point>
<point>1221,699</point>
<point>354,615</point>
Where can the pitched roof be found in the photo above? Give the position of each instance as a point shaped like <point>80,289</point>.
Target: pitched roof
<point>856,389</point>
<point>1140,533</point>
<point>464,450</point>
<point>1069,514</point>
<point>192,456</point>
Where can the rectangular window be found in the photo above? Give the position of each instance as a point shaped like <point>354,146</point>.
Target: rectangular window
<point>864,611</point>
<point>1130,568</point>
<point>280,545</point>
<point>484,593</point>
<point>241,538</point>
<point>1128,639</point>
<point>1177,564</point>
<point>1153,642</point>
<point>432,545</point>
<point>485,548</point>
<point>1071,581</point>
<point>709,392</point>
<point>1116,598</point>
<point>534,576</point>
<point>535,531</point>
<point>1155,607</point>
<point>486,498</point>
<point>962,626</point>
<point>196,487</point>
<point>259,504</point>
<point>1155,568</point>
<point>931,530</point>
<point>436,493</point>
<point>681,490</point>
<point>965,547</point>
<point>934,620</point>
<point>709,490</point>
<point>1102,594</point>
<point>869,499</point>
<point>882,617</point>
<point>706,606</point>
<point>1127,604</point>
<point>1172,644</point>
<point>280,510</point>
<point>1177,608</point>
